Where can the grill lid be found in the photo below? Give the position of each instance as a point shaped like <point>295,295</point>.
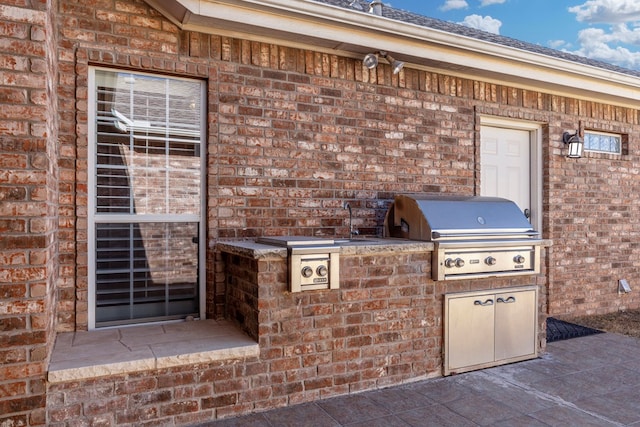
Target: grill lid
<point>427,217</point>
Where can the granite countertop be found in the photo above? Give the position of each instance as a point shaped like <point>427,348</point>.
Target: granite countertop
<point>358,245</point>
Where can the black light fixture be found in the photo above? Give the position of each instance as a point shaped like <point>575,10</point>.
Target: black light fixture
<point>371,61</point>
<point>575,144</point>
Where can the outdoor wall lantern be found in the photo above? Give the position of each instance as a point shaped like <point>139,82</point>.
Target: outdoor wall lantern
<point>575,144</point>
<point>371,61</point>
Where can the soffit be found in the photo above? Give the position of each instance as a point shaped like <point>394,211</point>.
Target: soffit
<point>319,26</point>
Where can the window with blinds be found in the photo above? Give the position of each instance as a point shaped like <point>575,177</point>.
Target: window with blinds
<point>146,197</point>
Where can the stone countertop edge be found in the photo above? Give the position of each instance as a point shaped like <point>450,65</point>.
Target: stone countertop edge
<point>251,249</point>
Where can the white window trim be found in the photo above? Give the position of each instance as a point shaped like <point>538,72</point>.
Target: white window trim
<point>91,202</point>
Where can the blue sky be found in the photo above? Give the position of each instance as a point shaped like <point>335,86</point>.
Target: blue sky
<point>606,30</point>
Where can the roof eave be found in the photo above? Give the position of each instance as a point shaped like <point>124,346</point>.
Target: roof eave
<point>309,24</point>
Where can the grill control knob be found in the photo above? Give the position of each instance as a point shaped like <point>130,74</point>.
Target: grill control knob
<point>518,259</point>
<point>490,260</point>
<point>322,270</point>
<point>449,262</point>
<point>459,262</point>
<point>307,271</point>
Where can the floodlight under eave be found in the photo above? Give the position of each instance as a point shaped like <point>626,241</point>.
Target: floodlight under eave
<point>396,65</point>
<point>370,60</point>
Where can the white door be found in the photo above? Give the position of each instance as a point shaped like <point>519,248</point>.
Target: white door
<point>505,165</point>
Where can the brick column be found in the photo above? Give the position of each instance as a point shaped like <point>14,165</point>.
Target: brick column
<point>28,208</point>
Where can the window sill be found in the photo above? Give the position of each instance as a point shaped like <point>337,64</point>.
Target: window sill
<point>92,354</point>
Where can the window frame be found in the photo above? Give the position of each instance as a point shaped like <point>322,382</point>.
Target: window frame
<point>92,166</point>
<point>611,134</point>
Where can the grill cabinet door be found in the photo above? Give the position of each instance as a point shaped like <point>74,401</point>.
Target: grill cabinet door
<point>470,331</point>
<point>515,324</point>
<point>488,328</point>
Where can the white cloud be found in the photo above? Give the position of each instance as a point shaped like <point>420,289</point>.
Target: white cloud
<point>454,4</point>
<point>484,23</point>
<point>607,11</point>
<point>558,44</point>
<point>595,43</point>
<point>484,3</point>
<point>619,43</point>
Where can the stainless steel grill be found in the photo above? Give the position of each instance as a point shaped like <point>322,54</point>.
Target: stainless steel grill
<point>473,236</point>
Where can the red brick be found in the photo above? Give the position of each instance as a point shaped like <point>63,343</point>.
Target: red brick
<point>176,379</point>
<point>149,397</point>
<point>12,323</point>
<point>14,388</point>
<point>318,383</point>
<point>179,407</point>
<point>219,401</point>
<point>136,415</point>
<point>12,291</point>
<point>104,406</point>
<point>66,413</point>
<point>217,374</point>
<point>21,404</point>
<point>132,386</point>
<point>14,30</point>
<point>21,339</point>
<point>13,96</point>
<point>14,355</point>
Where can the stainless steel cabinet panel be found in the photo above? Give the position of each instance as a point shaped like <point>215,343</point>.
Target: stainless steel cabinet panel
<point>488,328</point>
<point>471,330</point>
<point>515,332</point>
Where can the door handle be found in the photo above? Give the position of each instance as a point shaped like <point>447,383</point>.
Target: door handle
<point>483,304</point>
<point>509,300</point>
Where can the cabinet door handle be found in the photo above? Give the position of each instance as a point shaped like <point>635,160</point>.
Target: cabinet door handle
<point>509,300</point>
<point>485,303</point>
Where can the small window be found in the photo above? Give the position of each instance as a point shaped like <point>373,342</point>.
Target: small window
<point>601,142</point>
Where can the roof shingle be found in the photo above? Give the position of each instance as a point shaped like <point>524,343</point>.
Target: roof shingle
<point>453,28</point>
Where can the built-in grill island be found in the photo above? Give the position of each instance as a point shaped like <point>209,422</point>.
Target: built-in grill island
<point>473,236</point>
<point>477,238</point>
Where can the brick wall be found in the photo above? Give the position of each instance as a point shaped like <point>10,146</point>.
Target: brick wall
<point>382,327</point>
<point>242,282</point>
<point>28,208</point>
<point>294,133</point>
<point>592,205</point>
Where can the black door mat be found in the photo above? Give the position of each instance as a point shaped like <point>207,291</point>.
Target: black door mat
<point>558,330</point>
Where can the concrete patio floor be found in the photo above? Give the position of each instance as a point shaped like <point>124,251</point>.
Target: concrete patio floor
<point>588,381</point>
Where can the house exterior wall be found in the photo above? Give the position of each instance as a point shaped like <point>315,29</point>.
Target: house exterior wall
<point>28,208</point>
<point>292,134</point>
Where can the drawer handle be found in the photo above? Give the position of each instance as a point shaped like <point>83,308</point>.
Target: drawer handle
<point>509,300</point>
<point>487,302</point>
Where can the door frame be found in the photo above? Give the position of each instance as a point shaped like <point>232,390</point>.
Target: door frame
<point>535,154</point>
